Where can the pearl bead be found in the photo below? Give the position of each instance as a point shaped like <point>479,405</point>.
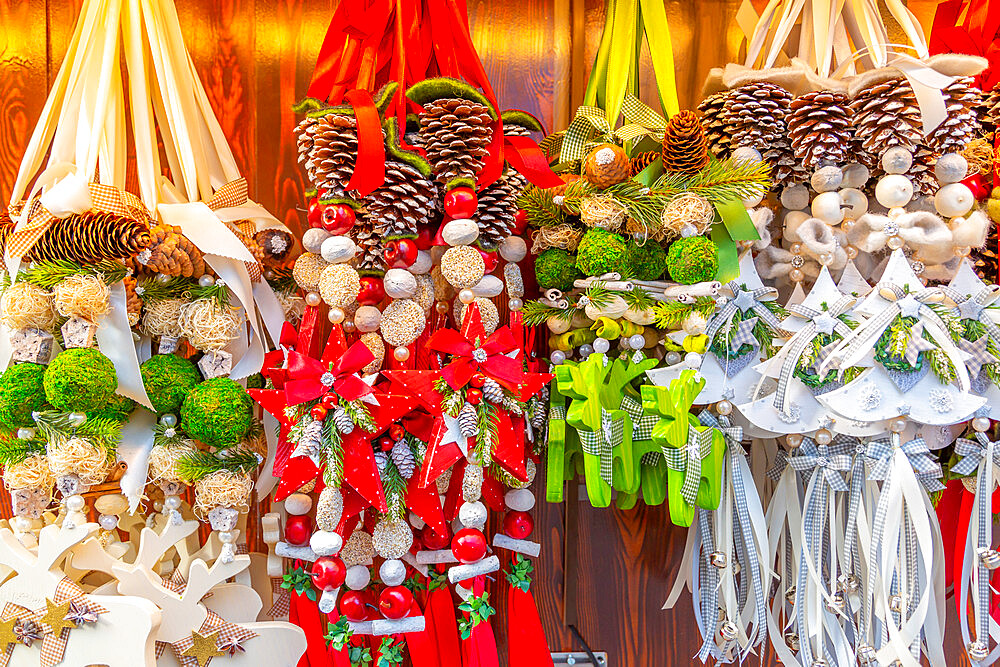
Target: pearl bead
<point>672,358</point>
<point>557,357</point>
<point>963,251</point>
<point>823,437</point>
<point>466,296</point>
<point>796,249</point>
<point>515,304</point>
<point>108,521</point>
<point>895,212</point>
<point>827,207</point>
<point>856,175</point>
<point>401,353</point>
<point>75,503</point>
<point>954,199</point>
<point>895,243</point>
<point>601,345</point>
<point>25,433</point>
<point>169,420</point>
<point>793,440</point>
<point>157,507</point>
<point>336,315</point>
<point>981,424</point>
<point>441,307</point>
<point>894,190</point>
<point>313,299</point>
<point>724,408</point>
<point>77,419</point>
<point>851,252</point>
<point>206,280</point>
<point>636,341</point>
<point>392,572</point>
<point>796,275</point>
<point>847,225</point>
<point>951,168</point>
<point>897,160</point>
<point>693,360</point>
<point>349,326</point>
<point>586,350</point>
<point>897,425</point>
<point>172,503</point>
<point>825,258</point>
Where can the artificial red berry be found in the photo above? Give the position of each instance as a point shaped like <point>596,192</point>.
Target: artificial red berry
<point>329,401</point>
<point>468,545</point>
<point>372,291</point>
<point>477,380</point>
<point>461,203</point>
<point>400,253</point>
<point>473,396</point>
<point>396,431</point>
<point>318,412</point>
<point>386,444</point>
<point>518,525</point>
<point>435,541</point>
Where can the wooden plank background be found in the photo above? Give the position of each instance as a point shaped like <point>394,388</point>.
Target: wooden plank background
<point>255,58</point>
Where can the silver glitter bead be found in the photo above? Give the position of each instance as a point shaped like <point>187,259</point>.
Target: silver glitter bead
<point>718,559</point>
<point>728,631</point>
<point>990,558</point>
<point>978,651</point>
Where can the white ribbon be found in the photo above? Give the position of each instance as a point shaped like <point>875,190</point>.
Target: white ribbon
<point>134,449</point>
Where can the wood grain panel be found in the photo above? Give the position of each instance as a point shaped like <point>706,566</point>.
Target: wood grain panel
<point>23,70</point>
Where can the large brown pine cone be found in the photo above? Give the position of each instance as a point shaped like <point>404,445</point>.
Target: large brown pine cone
<point>404,202</point>
<point>922,171</point>
<point>90,238</point>
<point>961,125</point>
<point>713,120</point>
<point>456,134</point>
<point>331,161</point>
<point>785,169</point>
<point>169,252</point>
<point>988,110</point>
<point>755,114</point>
<point>495,214</point>
<point>886,115</point>
<point>685,146</point>
<point>819,128</point>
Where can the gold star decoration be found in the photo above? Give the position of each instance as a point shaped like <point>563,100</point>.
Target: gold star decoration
<point>205,647</point>
<point>55,616</point>
<point>7,634</point>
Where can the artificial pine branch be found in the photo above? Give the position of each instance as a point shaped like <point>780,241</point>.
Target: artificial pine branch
<point>638,299</point>
<point>540,208</point>
<point>333,452</point>
<point>16,450</point>
<point>672,313</point>
<point>49,273</point>
<point>200,464</point>
<point>153,291</point>
<point>536,313</point>
<point>394,488</point>
<point>217,292</point>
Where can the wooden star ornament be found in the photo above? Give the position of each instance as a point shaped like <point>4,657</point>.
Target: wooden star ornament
<point>7,634</point>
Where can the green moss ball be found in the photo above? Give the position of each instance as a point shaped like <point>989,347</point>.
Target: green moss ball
<point>118,408</point>
<point>21,393</point>
<point>648,260</point>
<point>168,379</point>
<point>692,260</point>
<point>556,269</point>
<point>601,251</point>
<point>256,381</point>
<point>218,412</point>
<point>80,379</point>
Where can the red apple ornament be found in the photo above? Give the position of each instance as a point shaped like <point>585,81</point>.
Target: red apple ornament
<point>395,602</point>
<point>490,259</point>
<point>468,545</point>
<point>298,530</point>
<point>518,525</point>
<point>372,291</point>
<point>315,214</point>
<point>424,240</point>
<point>400,253</point>
<point>329,573</point>
<point>338,219</point>
<point>520,222</point>
<point>460,203</point>
<point>352,606</point>
<point>434,541</point>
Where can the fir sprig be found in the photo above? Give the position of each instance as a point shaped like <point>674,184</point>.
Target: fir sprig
<point>168,436</point>
<point>598,295</point>
<point>638,299</point>
<point>360,415</point>
<point>394,488</point>
<point>55,427</point>
<point>153,290</point>
<point>333,453</point>
<point>642,204</point>
<point>488,431</point>
<point>49,273</point>
<point>719,181</point>
<point>281,280</point>
<point>479,610</point>
<point>200,464</point>
<point>536,313</point>
<point>16,450</point>
<point>673,313</point>
<point>541,210</point>
<point>217,292</point>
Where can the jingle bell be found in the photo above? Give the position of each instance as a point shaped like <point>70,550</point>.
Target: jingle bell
<point>792,640</point>
<point>866,654</point>
<point>896,604</point>
<point>728,631</point>
<point>837,603</point>
<point>849,583</point>
<point>790,595</point>
<point>990,558</point>
<point>718,559</point>
<point>978,651</point>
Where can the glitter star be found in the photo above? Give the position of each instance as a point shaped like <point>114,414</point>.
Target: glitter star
<point>744,300</point>
<point>8,635</point>
<point>970,309</point>
<point>55,616</point>
<point>205,647</point>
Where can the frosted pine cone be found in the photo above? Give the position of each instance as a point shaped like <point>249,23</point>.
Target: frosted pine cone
<point>343,421</point>
<point>456,134</point>
<point>755,114</point>
<point>819,128</point>
<point>403,203</point>
<point>713,120</point>
<point>886,115</point>
<point>492,391</point>
<point>961,125</point>
<point>403,458</point>
<point>495,214</point>
<point>468,421</point>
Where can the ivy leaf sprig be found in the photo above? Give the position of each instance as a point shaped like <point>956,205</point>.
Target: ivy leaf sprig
<point>390,652</point>
<point>479,610</point>
<point>300,582</point>
<point>338,635</point>
<point>519,575</point>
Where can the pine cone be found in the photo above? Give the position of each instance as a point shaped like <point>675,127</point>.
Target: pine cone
<point>886,115</point>
<point>713,120</point>
<point>304,132</point>
<point>381,460</point>
<point>334,153</point>
<point>495,215</point>
<point>492,391</point>
<point>988,110</point>
<point>90,238</point>
<point>403,203</point>
<point>403,458</point>
<point>539,415</point>
<point>921,173</point>
<point>606,165</point>
<point>468,421</point>
<point>343,421</point>
<point>961,125</point>
<point>685,147</point>
<point>641,161</point>
<point>819,128</point>
<point>277,244</point>
<point>755,114</point>
<point>369,257</point>
<point>785,169</point>
<point>986,261</point>
<point>456,134</point>
<point>133,303</point>
<point>169,252</point>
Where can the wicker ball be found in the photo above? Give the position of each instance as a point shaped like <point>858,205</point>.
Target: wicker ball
<point>308,269</point>
<point>392,538</point>
<point>487,310</point>
<point>374,343</point>
<point>339,285</point>
<point>425,292</point>
<point>27,306</point>
<point>463,266</point>
<point>403,321</point>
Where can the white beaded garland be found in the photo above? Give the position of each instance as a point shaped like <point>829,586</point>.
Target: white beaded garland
<point>399,284</point>
<point>827,179</point>
<point>601,345</point>
<point>855,175</point>
<point>894,190</point>
<point>392,572</point>
<point>954,199</point>
<point>795,197</point>
<point>298,504</point>
<point>897,160</point>
<point>826,207</point>
<point>422,264</point>
<point>855,201</point>
<point>338,249</point>
<point>325,542</point>
<point>312,240</point>
<point>951,168</point>
<point>358,577</point>
<point>519,500</point>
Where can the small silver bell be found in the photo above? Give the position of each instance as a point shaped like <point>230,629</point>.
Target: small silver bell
<point>790,595</point>
<point>990,558</point>
<point>849,583</point>
<point>837,603</point>
<point>866,654</point>
<point>728,631</point>
<point>978,651</point>
<point>896,604</point>
<point>718,559</point>
<point>792,640</point>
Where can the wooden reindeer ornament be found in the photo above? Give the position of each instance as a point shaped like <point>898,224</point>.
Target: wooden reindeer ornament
<point>192,633</point>
<point>46,619</point>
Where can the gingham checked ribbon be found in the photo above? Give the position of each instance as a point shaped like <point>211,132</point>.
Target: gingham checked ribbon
<point>232,194</point>
<point>744,301</point>
<point>925,465</point>
<point>600,442</point>
<point>231,637</point>
<point>820,459</point>
<point>778,466</point>
<point>979,455</point>
<point>973,307</point>
<point>642,121</point>
<point>53,646</point>
<point>804,338</point>
<point>588,122</point>
<point>282,599</point>
<point>642,423</point>
<point>105,198</point>
<point>688,459</point>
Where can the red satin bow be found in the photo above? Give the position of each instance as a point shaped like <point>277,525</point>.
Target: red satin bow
<point>467,359</point>
<point>307,379</point>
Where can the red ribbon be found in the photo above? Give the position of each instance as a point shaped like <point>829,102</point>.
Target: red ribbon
<point>464,352</point>
<point>975,34</point>
<point>526,644</point>
<point>528,159</point>
<point>305,376</point>
<point>480,649</point>
<point>369,169</point>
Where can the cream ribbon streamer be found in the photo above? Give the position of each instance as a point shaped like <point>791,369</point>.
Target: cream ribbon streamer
<point>134,449</point>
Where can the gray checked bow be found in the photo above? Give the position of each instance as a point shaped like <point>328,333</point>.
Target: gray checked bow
<point>822,461</point>
<point>642,423</point>
<point>819,321</point>
<point>926,468</point>
<point>973,307</point>
<point>688,460</point>
<point>733,434</point>
<point>745,300</point>
<point>973,452</point>
<point>601,441</point>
